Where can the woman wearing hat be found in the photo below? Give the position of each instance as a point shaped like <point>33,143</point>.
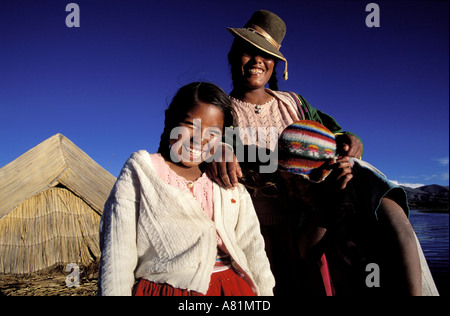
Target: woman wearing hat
<point>253,58</point>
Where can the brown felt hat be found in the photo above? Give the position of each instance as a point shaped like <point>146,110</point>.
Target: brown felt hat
<point>265,30</point>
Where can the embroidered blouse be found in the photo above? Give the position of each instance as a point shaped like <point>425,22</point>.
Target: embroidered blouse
<point>261,124</point>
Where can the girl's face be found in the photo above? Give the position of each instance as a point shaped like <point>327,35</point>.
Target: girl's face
<point>199,134</point>
<point>297,187</point>
<point>256,68</point>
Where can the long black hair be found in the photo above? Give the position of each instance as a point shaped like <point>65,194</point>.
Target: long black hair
<point>185,99</point>
<point>240,46</point>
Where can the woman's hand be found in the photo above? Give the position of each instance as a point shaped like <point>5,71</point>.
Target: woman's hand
<point>225,169</point>
<point>349,145</point>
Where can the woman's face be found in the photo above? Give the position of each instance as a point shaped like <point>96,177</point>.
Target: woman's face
<point>256,68</point>
<point>199,134</point>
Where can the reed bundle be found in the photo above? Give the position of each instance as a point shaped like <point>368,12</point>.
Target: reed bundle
<point>53,227</point>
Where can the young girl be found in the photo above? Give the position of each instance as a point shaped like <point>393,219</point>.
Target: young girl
<point>168,227</point>
<point>360,229</point>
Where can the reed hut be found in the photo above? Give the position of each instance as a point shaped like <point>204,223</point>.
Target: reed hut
<point>51,200</point>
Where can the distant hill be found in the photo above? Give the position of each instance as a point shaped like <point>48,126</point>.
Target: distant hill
<point>433,198</point>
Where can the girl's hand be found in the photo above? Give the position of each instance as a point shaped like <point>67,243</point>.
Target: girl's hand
<point>342,173</point>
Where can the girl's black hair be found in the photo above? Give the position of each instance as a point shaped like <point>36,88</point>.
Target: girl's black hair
<point>234,59</point>
<point>185,99</point>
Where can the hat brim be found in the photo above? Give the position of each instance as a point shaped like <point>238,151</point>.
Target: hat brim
<point>258,41</point>
<point>314,173</point>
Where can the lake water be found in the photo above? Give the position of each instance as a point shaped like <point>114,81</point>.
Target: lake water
<point>432,229</point>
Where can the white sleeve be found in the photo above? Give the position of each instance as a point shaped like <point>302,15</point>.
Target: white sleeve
<point>251,241</point>
<point>118,237</point>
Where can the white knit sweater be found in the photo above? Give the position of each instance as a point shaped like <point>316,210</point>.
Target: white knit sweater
<point>152,230</point>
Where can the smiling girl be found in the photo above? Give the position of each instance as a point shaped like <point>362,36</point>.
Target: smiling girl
<point>167,226</point>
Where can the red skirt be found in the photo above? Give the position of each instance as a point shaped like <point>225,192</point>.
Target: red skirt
<point>224,283</point>
<point>325,272</point>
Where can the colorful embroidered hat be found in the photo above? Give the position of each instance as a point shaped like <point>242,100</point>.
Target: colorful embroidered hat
<point>305,146</point>
<point>265,30</point>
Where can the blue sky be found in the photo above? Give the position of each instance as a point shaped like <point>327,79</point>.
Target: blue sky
<point>105,85</point>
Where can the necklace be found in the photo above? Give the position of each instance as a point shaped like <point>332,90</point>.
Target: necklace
<point>258,107</point>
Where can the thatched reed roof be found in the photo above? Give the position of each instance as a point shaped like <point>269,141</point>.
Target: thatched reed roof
<point>51,199</point>
<point>54,161</point>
